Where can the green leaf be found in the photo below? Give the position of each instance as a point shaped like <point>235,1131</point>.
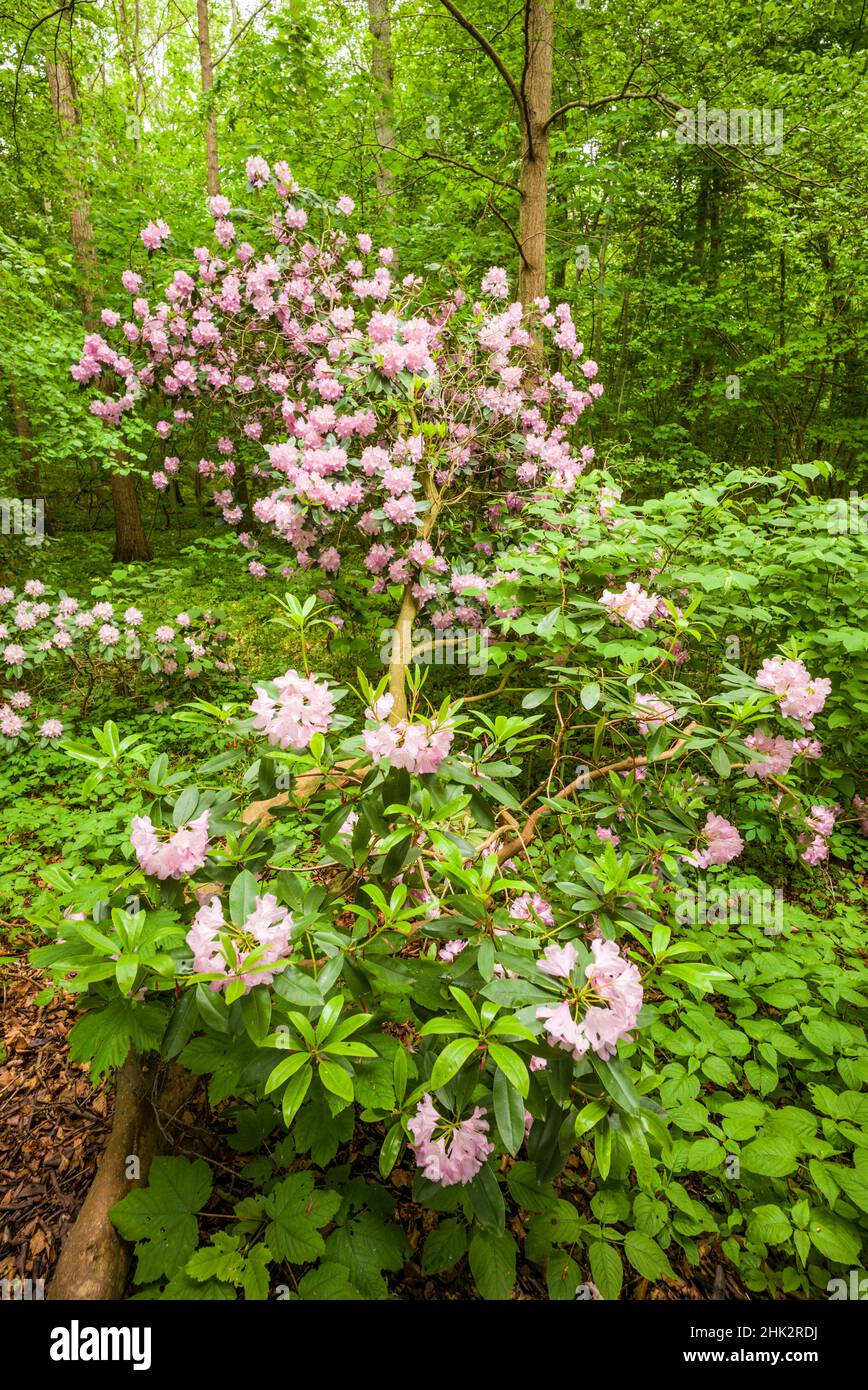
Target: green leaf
<point>773,1156</point>
<point>161,1218</point>
<point>834,1237</point>
<point>508,1112</point>
<point>492,1263</point>
<point>589,695</point>
<point>242,897</point>
<point>511,1065</point>
<point>451,1060</point>
<point>391,1148</point>
<point>616,1081</point>
<point>336,1080</point>
<point>444,1247</point>
<point>295,1093</point>
<point>590,1115</point>
<point>297,1210</point>
<point>646,1257</point>
<point>606,1269</point>
<point>104,1037</point>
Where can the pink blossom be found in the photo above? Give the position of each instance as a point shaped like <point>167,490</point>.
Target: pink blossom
<point>800,695</point>
<point>632,606</point>
<point>183,853</point>
<point>266,932</point>
<point>303,707</point>
<point>722,843</point>
<point>467,1149</point>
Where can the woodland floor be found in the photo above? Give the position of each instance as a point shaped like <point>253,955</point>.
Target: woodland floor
<point>54,1123</point>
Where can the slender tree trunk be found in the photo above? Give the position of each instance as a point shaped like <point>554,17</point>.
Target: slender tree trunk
<point>61,85</point>
<point>379,23</point>
<point>30,478</point>
<point>212,163</point>
<point>536,90</point>
<point>131,543</point>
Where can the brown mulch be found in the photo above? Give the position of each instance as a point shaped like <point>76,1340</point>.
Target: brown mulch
<point>54,1123</point>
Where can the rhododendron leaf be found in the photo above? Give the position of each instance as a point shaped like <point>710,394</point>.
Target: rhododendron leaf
<point>465,1003</point>
<point>451,1060</point>
<point>329,1017</point>
<point>243,896</point>
<point>508,1112</point>
<point>511,1065</point>
<point>336,1080</point>
<point>284,1070</point>
<point>590,1115</point>
<point>603,1150</point>
<point>492,1261</point>
<point>391,1147</point>
<point>185,807</point>
<point>443,1026</point>
<point>702,978</point>
<point>296,987</point>
<point>256,1013</point>
<point>589,695</point>
<point>296,1090</point>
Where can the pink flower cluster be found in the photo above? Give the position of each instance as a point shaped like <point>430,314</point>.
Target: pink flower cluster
<point>419,747</point>
<point>632,605</point>
<point>722,843</point>
<point>181,854</point>
<point>655,712</point>
<point>303,707</point>
<point>467,1149</point>
<point>800,695</point>
<point>820,822</point>
<point>778,754</point>
<point>615,984</point>
<point>45,626</point>
<point>275,349</point>
<point>266,931</point>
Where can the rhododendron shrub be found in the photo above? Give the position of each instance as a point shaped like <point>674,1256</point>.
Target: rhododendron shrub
<point>348,411</point>
<point>381,913</point>
<point>51,640</point>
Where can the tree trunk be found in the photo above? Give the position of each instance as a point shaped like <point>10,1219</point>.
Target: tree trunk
<point>536,90</point>
<point>379,23</point>
<point>131,543</point>
<point>61,86</point>
<point>212,163</point>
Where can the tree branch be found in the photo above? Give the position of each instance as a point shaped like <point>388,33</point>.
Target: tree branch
<point>488,48</point>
